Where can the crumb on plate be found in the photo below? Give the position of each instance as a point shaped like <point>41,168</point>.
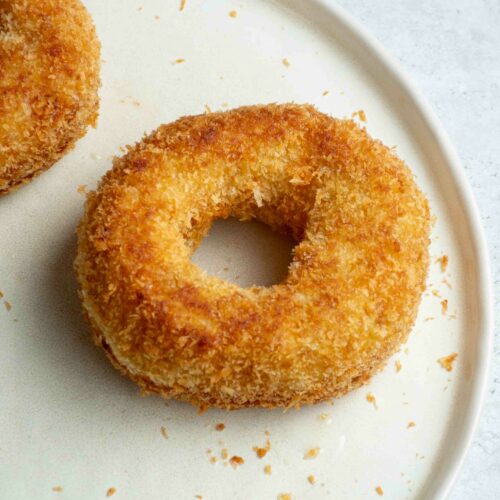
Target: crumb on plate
<point>268,470</point>
<point>233,14</point>
<point>443,262</point>
<point>398,365</point>
<point>444,306</point>
<point>447,361</point>
<point>311,453</point>
<point>164,432</point>
<point>371,399</point>
<point>359,114</point>
<point>379,490</point>
<point>220,427</point>
<point>236,461</point>
<point>110,492</point>
<point>311,479</point>
<point>286,62</point>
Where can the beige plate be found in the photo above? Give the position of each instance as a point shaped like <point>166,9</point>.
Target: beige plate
<point>68,419</point>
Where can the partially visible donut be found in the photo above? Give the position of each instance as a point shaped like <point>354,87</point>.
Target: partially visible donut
<point>49,78</point>
<point>352,291</point>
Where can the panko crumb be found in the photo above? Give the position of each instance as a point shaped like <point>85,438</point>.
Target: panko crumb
<point>284,496</point>
<point>213,460</point>
<point>220,427</point>
<point>82,189</point>
<point>311,453</point>
<point>326,92</point>
<point>236,461</point>
<point>208,109</point>
<point>7,305</point>
<point>324,416</point>
<point>286,62</point>
<point>444,306</point>
<point>183,4</point>
<point>447,283</point>
<point>199,497</point>
<point>371,399</point>
<point>224,454</point>
<point>398,365</point>
<point>447,361</point>
<point>1,295</point>
<point>180,60</point>
<point>411,424</point>
<point>359,114</point>
<point>164,432</point>
<point>261,452</point>
<point>311,479</point>
<point>443,262</point>
<point>233,14</point>
<point>379,491</point>
<point>57,489</point>
<point>110,492</point>
<point>268,470</point>
<point>157,18</point>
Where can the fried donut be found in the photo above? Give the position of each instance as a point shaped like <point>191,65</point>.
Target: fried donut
<point>49,78</point>
<point>352,290</point>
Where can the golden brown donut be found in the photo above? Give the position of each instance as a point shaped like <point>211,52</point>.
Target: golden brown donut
<point>49,78</point>
<point>352,291</point>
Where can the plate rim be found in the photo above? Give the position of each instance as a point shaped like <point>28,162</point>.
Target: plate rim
<point>374,50</point>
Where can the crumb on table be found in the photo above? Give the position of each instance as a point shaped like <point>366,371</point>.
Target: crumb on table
<point>8,305</point>
<point>180,60</point>
<point>411,424</point>
<point>284,496</point>
<point>447,361</point>
<point>183,4</point>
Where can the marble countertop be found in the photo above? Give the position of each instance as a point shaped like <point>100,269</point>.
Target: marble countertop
<point>451,50</point>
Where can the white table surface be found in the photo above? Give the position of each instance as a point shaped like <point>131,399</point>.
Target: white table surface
<point>451,50</point>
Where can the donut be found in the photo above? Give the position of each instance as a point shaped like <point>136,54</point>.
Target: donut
<point>352,290</point>
<point>49,79</point>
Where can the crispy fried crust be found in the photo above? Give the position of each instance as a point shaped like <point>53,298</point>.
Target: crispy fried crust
<point>49,78</point>
<point>352,291</point>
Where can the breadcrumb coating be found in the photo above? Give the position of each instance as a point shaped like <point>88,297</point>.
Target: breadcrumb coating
<point>352,290</point>
<point>49,79</point>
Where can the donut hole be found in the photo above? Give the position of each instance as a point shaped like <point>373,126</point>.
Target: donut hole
<point>245,253</point>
